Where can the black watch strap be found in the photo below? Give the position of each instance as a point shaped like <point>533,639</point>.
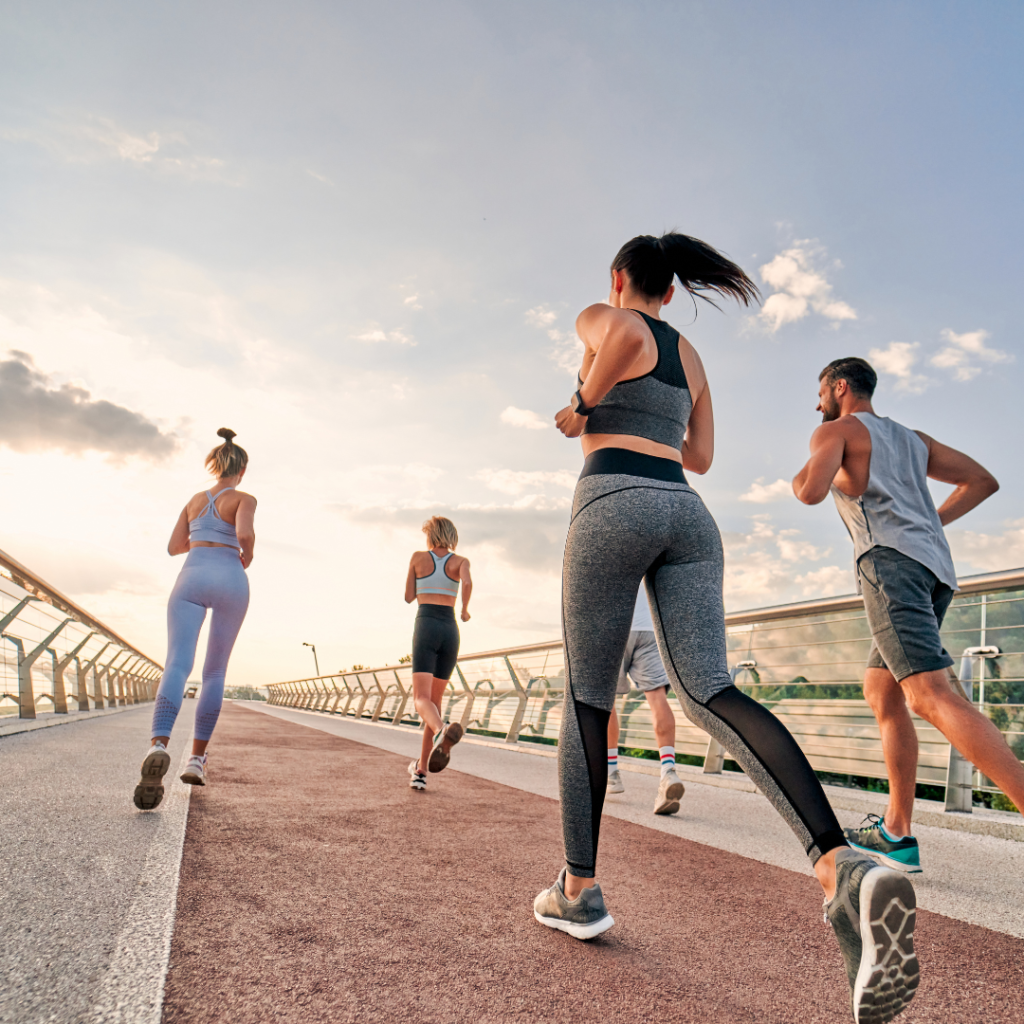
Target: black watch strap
<point>578,407</point>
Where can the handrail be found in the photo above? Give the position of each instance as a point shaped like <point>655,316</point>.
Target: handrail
<point>32,630</point>
<point>43,591</point>
<point>517,691</point>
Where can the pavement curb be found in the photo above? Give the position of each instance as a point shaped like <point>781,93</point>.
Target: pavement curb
<point>22,725</point>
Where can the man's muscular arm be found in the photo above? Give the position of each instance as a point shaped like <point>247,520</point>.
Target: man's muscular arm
<point>974,483</point>
<point>828,445</point>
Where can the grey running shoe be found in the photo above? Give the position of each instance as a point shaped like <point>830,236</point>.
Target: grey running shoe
<point>901,854</point>
<point>615,782</point>
<point>150,790</point>
<point>195,771</point>
<point>670,792</point>
<point>441,752</point>
<point>583,918</point>
<point>873,914</point>
<point>417,780</point>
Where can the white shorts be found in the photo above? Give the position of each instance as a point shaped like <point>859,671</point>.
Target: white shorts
<point>642,664</point>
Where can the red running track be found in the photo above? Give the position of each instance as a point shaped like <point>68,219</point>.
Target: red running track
<point>317,887</point>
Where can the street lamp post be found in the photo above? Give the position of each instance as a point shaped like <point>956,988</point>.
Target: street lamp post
<point>315,662</point>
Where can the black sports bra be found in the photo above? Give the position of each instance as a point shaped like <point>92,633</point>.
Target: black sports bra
<point>657,405</point>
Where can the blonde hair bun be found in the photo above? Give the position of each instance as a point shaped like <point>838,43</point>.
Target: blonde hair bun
<point>226,434</point>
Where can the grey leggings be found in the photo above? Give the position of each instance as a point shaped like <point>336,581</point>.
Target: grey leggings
<point>211,578</point>
<point>646,523</point>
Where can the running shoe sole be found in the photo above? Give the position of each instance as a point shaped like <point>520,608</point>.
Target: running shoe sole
<point>577,931</point>
<point>442,752</point>
<point>420,785</point>
<point>150,790</point>
<point>888,862</point>
<point>670,804</point>
<point>889,972</point>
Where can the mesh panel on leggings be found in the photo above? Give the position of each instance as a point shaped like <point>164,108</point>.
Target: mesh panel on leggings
<point>593,723</point>
<point>778,753</point>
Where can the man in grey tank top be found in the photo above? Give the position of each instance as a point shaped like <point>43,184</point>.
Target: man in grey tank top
<point>877,471</point>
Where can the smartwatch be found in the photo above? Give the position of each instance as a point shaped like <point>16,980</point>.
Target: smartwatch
<point>578,406</point>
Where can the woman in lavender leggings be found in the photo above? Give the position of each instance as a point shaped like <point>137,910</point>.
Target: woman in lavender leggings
<point>215,529</point>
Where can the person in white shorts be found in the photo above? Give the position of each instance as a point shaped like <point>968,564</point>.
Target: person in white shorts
<point>642,664</point>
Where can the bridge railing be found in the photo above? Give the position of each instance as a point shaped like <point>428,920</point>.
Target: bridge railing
<point>56,656</point>
<point>805,662</point>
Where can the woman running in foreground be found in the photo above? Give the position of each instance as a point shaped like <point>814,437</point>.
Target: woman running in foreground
<point>643,409</point>
<point>215,530</point>
<point>433,581</point>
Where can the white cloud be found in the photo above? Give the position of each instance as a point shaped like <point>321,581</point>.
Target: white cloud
<point>769,566</point>
<point>761,493</point>
<point>800,288</point>
<point>963,350</point>
<point>523,418</point>
<point>412,301</point>
<point>510,481</point>
<point>541,316</point>
<point>376,333</point>
<point>899,360</point>
<point>319,177</point>
<point>990,552</point>
<point>92,139</point>
<point>567,353</point>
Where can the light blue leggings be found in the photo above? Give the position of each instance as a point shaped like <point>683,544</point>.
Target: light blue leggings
<point>210,578</point>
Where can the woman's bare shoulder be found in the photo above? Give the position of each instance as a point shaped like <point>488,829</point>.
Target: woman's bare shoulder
<point>696,378</point>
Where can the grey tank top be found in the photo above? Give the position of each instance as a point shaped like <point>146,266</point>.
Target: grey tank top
<point>896,510</point>
<point>657,405</point>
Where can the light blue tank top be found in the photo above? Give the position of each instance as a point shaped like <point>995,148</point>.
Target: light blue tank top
<point>896,510</point>
<point>438,582</point>
<point>212,528</point>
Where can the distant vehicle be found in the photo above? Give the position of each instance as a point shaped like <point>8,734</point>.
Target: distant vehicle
<point>191,691</point>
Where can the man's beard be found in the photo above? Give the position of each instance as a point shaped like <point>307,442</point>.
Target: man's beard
<point>829,410</point>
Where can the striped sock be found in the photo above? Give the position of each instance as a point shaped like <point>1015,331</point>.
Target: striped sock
<point>613,760</point>
<point>668,758</point>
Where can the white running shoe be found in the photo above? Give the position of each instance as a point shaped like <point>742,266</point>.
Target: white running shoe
<point>150,790</point>
<point>670,792</point>
<point>195,771</point>
<point>615,782</point>
<point>417,780</point>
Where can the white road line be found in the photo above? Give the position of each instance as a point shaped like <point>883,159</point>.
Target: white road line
<point>132,991</point>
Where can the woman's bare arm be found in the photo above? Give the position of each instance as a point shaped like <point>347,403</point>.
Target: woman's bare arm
<point>467,588</point>
<point>178,544</point>
<point>410,581</point>
<point>245,529</point>
<point>699,444</point>
<point>617,338</point>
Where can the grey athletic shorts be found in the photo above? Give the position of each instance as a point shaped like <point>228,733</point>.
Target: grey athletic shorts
<point>642,661</point>
<point>905,604</point>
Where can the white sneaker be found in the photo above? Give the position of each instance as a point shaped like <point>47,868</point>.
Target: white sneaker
<point>670,792</point>
<point>195,771</point>
<point>615,782</point>
<point>417,780</point>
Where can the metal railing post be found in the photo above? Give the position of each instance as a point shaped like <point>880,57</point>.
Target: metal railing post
<point>517,719</point>
<point>90,665</point>
<point>396,718</point>
<point>26,695</point>
<point>59,667</point>
<point>960,771</point>
<point>714,759</point>
<point>467,715</point>
<point>380,703</point>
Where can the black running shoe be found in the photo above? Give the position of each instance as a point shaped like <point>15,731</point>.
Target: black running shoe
<point>901,854</point>
<point>872,915</point>
<point>440,753</point>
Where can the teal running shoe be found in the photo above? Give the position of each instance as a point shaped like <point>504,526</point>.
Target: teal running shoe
<point>872,839</point>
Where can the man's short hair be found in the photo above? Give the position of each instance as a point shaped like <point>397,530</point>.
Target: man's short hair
<point>858,373</point>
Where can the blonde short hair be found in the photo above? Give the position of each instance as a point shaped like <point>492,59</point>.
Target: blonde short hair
<point>227,459</point>
<point>441,533</point>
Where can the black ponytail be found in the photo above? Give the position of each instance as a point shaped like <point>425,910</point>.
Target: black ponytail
<point>652,263</point>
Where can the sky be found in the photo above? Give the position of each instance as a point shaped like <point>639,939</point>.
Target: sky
<point>359,236</point>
